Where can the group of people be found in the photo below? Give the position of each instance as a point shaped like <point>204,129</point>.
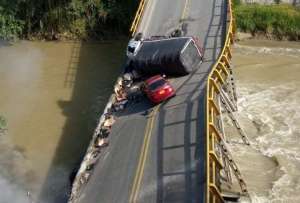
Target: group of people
<point>119,101</point>
<point>120,98</point>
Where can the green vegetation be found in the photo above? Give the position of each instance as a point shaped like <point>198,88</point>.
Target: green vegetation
<point>54,19</point>
<point>10,27</point>
<point>236,2</point>
<point>280,21</point>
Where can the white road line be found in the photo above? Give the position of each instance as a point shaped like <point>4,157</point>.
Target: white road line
<point>185,10</point>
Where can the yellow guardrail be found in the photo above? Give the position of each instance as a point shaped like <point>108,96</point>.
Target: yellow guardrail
<point>137,17</point>
<point>216,79</point>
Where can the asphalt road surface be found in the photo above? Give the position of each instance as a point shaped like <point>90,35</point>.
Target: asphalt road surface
<point>157,153</point>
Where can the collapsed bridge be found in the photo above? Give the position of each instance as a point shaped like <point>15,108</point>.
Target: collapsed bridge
<point>176,151</point>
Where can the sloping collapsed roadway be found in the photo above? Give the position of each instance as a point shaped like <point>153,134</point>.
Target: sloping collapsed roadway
<point>158,153</point>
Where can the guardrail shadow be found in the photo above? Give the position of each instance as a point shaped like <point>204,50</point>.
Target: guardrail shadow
<point>91,73</point>
<point>187,181</point>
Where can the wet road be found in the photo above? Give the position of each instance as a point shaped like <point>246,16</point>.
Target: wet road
<point>157,154</point>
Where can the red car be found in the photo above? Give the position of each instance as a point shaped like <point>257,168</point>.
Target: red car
<point>158,89</point>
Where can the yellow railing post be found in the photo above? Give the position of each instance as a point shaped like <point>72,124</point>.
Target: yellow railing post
<point>216,79</point>
<point>137,17</point>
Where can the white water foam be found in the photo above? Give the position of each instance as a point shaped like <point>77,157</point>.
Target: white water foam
<point>278,51</point>
<point>275,112</point>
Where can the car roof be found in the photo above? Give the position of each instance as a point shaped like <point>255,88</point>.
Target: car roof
<point>153,79</point>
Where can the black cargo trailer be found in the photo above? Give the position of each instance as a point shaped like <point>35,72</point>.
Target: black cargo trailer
<point>173,56</point>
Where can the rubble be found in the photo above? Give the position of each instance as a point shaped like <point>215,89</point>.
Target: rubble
<point>117,102</point>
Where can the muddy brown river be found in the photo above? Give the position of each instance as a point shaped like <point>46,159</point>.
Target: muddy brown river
<point>269,96</point>
<point>51,95</point>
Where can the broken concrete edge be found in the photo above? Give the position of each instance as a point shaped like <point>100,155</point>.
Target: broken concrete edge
<point>89,159</point>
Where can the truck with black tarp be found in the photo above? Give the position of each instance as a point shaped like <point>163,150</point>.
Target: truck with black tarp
<point>176,56</point>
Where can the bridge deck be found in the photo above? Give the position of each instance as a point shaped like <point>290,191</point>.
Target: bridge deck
<point>160,157</point>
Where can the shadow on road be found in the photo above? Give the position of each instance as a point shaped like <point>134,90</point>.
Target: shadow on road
<point>185,182</point>
<point>143,106</point>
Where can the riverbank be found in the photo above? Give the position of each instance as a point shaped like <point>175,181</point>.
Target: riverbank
<point>73,19</point>
<point>244,37</point>
<point>279,21</point>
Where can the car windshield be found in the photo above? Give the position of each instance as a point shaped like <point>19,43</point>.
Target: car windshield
<point>156,84</point>
<point>131,49</point>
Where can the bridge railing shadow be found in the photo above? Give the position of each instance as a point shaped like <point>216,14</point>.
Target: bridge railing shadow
<point>190,173</point>
<point>193,94</point>
<point>91,73</point>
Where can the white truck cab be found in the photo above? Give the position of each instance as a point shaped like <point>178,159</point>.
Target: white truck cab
<point>134,45</point>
